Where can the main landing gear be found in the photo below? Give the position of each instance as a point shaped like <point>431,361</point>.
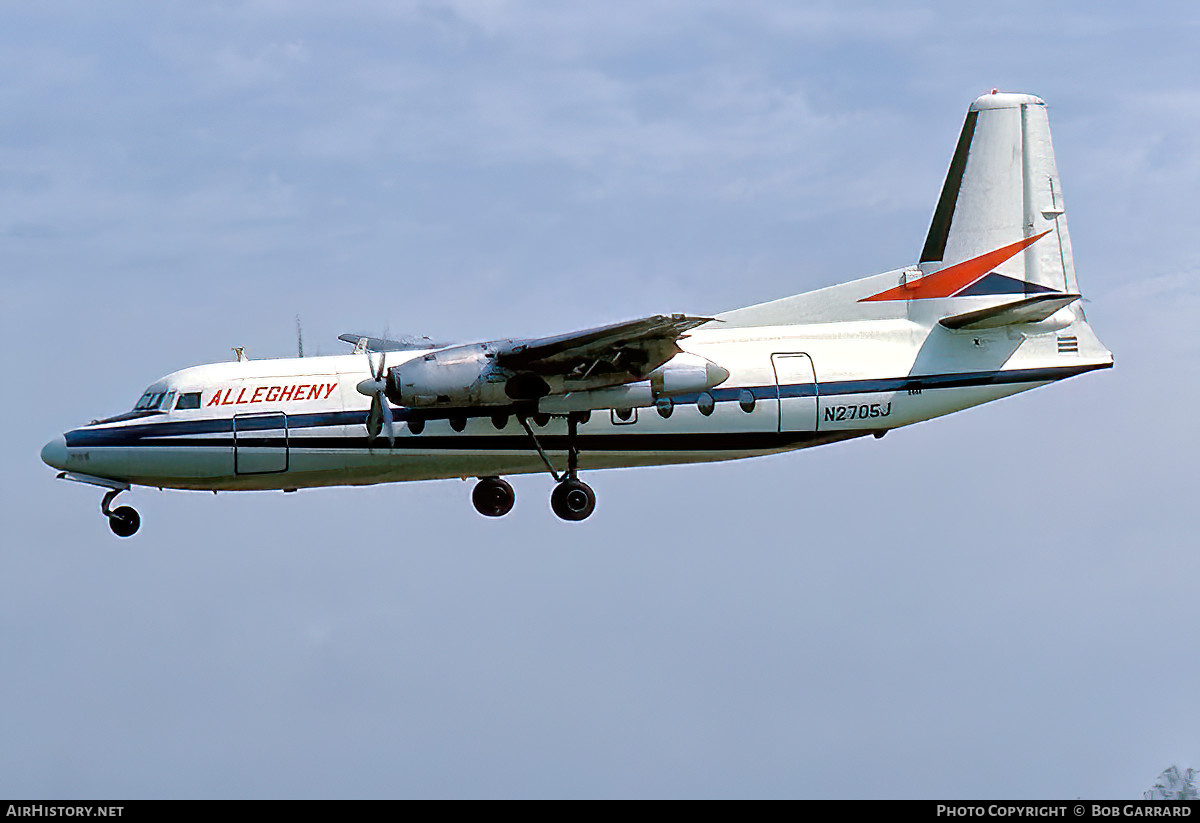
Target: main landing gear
<point>493,497</point>
<point>572,499</point>
<point>123,520</point>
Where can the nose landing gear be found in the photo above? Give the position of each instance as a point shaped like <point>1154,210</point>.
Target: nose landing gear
<point>123,520</point>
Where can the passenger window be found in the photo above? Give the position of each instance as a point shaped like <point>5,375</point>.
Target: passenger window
<point>189,400</point>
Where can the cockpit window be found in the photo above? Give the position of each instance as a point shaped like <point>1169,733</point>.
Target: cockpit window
<point>150,401</point>
<point>149,404</point>
<point>188,400</point>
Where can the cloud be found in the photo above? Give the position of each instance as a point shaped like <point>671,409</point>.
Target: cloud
<point>269,64</point>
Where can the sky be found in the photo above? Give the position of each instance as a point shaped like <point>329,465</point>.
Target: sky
<point>996,604</point>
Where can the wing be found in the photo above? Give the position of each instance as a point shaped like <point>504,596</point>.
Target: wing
<point>608,355</point>
<point>501,372</point>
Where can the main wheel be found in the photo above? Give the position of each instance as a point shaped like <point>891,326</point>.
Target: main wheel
<point>572,499</point>
<point>493,497</point>
<point>124,521</point>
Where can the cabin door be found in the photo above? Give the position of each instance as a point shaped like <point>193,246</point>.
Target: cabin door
<point>260,443</point>
<point>796,389</point>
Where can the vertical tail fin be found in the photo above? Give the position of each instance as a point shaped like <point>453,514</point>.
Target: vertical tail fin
<point>1003,187</point>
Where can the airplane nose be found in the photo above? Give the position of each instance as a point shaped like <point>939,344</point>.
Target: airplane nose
<point>54,453</point>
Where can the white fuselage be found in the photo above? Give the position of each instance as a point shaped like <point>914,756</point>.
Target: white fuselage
<point>292,423</point>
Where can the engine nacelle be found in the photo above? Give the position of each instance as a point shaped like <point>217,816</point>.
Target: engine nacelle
<point>686,373</point>
<point>458,376</point>
<point>468,376</point>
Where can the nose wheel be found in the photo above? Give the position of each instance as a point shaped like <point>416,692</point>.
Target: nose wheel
<point>123,520</point>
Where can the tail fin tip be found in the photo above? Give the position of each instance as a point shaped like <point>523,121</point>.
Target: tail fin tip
<point>1003,186</point>
<point>1005,100</point>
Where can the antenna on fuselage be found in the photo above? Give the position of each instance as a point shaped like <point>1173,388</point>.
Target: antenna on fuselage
<point>240,353</point>
<point>299,338</point>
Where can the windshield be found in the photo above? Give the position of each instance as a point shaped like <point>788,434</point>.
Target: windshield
<point>150,401</point>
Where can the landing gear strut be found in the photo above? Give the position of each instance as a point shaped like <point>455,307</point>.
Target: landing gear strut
<point>123,520</point>
<point>572,499</point>
<point>493,497</point>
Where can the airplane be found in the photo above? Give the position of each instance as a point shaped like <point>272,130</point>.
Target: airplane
<point>991,308</point>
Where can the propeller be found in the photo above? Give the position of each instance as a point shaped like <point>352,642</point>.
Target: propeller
<point>379,419</point>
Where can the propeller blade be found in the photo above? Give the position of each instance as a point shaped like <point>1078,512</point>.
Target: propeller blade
<point>387,418</point>
<point>375,418</point>
<point>380,416</point>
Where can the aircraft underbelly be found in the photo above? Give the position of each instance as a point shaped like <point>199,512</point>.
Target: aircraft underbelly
<point>330,467</point>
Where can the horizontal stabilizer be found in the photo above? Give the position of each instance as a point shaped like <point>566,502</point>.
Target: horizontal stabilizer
<point>1029,310</point>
